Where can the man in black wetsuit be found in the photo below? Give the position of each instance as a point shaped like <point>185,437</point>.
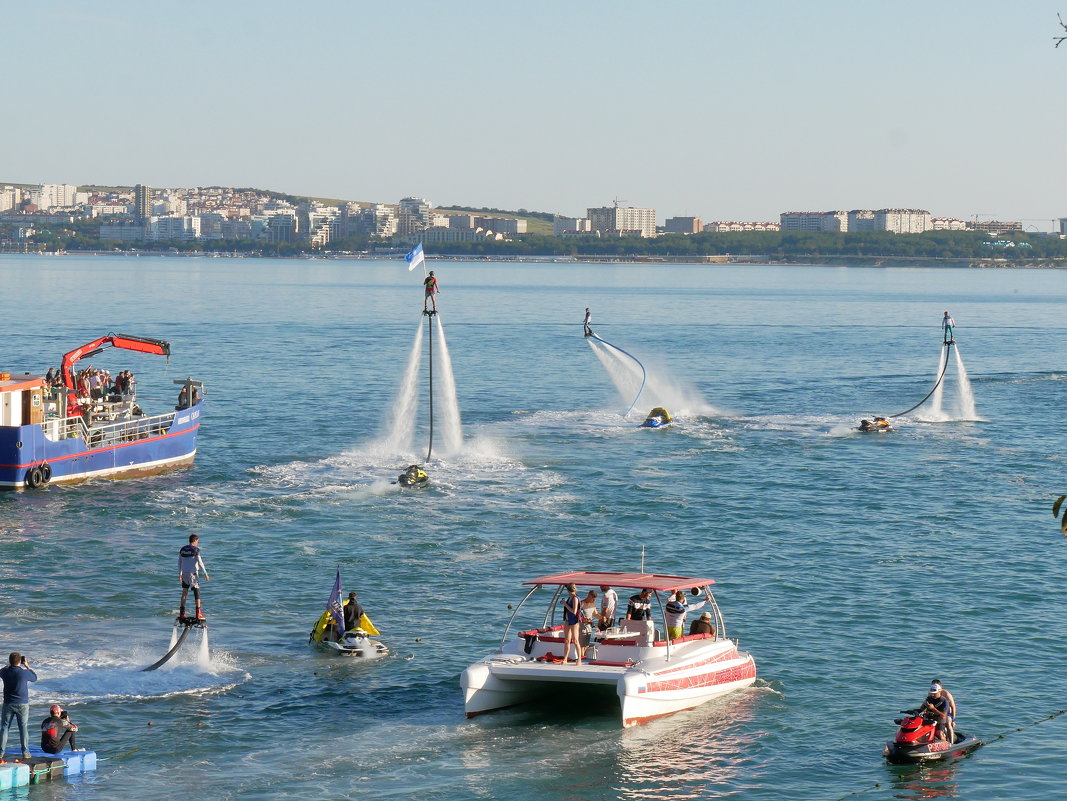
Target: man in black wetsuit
<point>57,732</point>
<point>353,612</point>
<point>640,606</point>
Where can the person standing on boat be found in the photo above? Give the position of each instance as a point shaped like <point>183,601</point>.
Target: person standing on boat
<point>572,619</point>
<point>190,563</point>
<point>640,606</point>
<point>674,612</point>
<point>586,321</point>
<point>430,282</point>
<point>947,324</point>
<point>353,612</point>
<point>589,617</point>
<point>609,599</point>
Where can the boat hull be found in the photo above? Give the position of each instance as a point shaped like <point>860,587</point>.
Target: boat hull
<point>354,647</point>
<point>654,689</point>
<point>135,448</point>
<point>908,754</point>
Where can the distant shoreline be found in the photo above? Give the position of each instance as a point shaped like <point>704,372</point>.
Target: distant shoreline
<point>754,260</point>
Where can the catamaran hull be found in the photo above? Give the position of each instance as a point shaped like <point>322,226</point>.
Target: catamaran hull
<point>644,697</point>
<point>503,681</point>
<point>27,455</point>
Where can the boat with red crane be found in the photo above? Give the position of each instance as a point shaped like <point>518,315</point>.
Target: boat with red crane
<point>70,432</point>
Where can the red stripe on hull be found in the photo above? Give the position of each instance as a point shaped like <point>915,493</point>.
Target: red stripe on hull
<point>738,673</point>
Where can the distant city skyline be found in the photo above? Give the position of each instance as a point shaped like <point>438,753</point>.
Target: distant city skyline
<point>724,112</point>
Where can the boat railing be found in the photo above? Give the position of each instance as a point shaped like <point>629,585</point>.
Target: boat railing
<point>108,434</point>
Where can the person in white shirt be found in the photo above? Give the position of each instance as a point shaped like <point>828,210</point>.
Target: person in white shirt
<point>609,599</point>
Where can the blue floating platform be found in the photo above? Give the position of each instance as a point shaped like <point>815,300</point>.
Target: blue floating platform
<point>14,774</point>
<point>74,763</point>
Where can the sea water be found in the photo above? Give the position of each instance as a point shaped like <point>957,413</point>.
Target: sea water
<point>854,568</point>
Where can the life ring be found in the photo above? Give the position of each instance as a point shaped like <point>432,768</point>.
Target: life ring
<point>46,472</point>
<point>34,477</point>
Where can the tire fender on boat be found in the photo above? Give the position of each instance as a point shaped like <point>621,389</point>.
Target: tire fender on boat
<point>46,472</point>
<point>34,477</point>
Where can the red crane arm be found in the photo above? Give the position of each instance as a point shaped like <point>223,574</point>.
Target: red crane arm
<point>140,344</point>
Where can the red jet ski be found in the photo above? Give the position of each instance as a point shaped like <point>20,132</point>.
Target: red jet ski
<point>917,740</point>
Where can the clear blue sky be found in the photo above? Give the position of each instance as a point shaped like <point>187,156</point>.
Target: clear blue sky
<point>723,110</point>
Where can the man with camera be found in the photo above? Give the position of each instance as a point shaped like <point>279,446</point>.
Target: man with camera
<point>16,677</point>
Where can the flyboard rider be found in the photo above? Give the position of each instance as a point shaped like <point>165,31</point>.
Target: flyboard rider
<point>190,563</point>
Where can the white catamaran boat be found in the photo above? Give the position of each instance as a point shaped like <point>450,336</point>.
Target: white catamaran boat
<point>652,676</point>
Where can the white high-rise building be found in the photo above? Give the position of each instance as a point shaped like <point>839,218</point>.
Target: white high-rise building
<point>47,196</point>
<point>623,219</point>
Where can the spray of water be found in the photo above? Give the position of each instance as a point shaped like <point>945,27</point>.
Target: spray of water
<point>451,428</point>
<point>965,408</point>
<point>203,655</point>
<point>402,430</point>
<point>661,388</point>
<point>935,412</point>
<point>961,404</point>
<point>621,369</point>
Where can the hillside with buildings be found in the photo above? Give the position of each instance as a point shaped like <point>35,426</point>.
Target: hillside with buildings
<point>57,217</point>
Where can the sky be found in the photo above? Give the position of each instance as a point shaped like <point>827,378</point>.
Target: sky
<point>723,110</point>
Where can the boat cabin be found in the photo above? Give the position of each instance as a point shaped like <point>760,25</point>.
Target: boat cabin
<point>21,399</point>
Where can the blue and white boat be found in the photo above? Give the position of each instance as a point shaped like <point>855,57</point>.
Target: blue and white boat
<point>657,418</point>
<point>65,433</point>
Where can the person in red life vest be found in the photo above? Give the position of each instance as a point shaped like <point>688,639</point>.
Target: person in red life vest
<point>57,731</point>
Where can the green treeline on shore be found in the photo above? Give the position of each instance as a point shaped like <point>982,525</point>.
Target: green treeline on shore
<point>773,245</point>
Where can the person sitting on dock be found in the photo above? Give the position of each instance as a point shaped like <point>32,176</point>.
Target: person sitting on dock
<point>190,563</point>
<point>640,606</point>
<point>702,625</point>
<point>57,731</point>
<point>430,282</point>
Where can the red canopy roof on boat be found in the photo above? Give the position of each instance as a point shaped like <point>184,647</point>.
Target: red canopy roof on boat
<point>639,581</point>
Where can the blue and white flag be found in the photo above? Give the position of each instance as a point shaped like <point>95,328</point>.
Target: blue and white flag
<point>335,606</point>
<point>415,257</point>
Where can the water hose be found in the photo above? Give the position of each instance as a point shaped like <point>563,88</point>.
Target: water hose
<point>940,378</point>
<point>644,375</point>
<point>429,323</point>
<point>171,652</point>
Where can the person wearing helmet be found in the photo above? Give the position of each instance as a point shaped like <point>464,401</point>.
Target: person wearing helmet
<point>57,732</point>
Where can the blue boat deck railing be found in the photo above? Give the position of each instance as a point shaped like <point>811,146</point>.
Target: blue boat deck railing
<point>107,434</point>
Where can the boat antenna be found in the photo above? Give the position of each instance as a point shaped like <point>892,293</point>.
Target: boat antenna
<point>642,558</point>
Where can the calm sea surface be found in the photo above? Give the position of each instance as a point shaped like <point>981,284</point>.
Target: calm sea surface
<point>855,568</point>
